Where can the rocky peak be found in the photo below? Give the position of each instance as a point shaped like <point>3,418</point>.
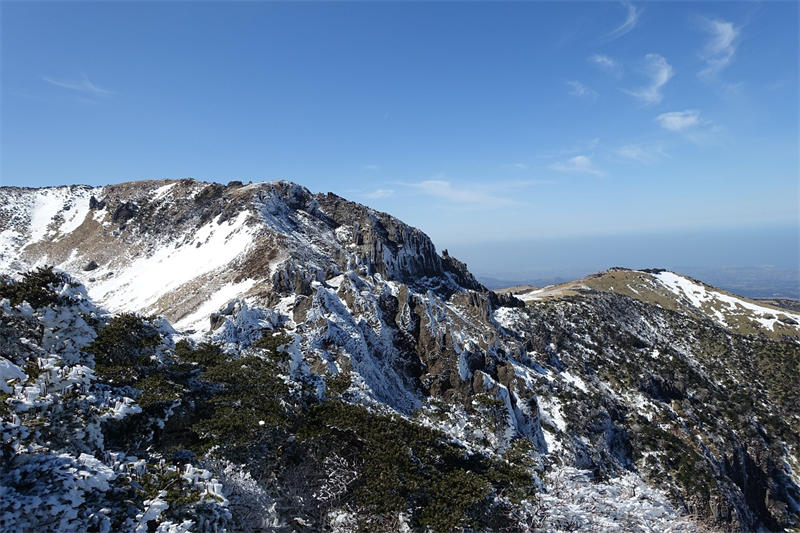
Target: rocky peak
<point>272,237</point>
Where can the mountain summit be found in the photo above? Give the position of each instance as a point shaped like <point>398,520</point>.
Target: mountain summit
<point>303,362</point>
<point>188,244</point>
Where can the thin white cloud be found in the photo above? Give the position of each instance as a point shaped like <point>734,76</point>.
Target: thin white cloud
<point>581,164</point>
<point>581,147</point>
<point>679,120</point>
<point>469,194</point>
<point>731,90</point>
<point>631,19</point>
<point>521,184</point>
<point>606,63</point>
<point>690,125</point>
<point>580,90</point>
<point>720,48</point>
<point>379,193</point>
<point>642,153</point>
<point>659,72</point>
<point>517,166</point>
<point>370,167</point>
<point>84,85</point>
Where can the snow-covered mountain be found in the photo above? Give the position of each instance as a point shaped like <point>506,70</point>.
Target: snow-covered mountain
<point>629,401</point>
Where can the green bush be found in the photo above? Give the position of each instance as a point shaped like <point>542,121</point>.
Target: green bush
<point>37,287</point>
<point>127,339</point>
<point>5,408</point>
<point>512,475</point>
<point>239,407</point>
<point>248,405</point>
<point>206,354</point>
<point>406,465</point>
<point>338,384</point>
<point>158,477</point>
<point>131,489</point>
<point>452,495</point>
<point>157,390</point>
<point>272,340</point>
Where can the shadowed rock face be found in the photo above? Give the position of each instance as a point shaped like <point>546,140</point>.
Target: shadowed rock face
<point>609,383</point>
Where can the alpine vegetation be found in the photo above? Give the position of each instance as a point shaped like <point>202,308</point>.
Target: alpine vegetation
<point>185,356</point>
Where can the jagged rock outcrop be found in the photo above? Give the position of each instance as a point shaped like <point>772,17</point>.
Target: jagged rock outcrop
<point>631,377</point>
<point>277,234</point>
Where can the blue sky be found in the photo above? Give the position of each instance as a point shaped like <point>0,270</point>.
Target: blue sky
<point>477,122</point>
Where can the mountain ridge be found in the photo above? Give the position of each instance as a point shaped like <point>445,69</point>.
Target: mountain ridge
<point>133,209</point>
<point>604,391</point>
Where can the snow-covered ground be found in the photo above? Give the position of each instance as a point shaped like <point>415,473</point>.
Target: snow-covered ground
<point>721,304</point>
<point>573,501</point>
<point>136,285</point>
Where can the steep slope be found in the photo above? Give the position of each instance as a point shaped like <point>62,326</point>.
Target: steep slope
<point>593,394</point>
<point>711,416</point>
<point>58,471</point>
<point>186,249</point>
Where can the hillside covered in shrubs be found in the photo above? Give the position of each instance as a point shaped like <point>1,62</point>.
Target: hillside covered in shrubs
<point>257,357</point>
<point>113,422</point>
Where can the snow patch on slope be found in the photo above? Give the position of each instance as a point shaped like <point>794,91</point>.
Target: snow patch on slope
<point>719,303</point>
<point>162,191</point>
<point>33,215</point>
<point>60,205</point>
<point>199,318</point>
<point>143,281</point>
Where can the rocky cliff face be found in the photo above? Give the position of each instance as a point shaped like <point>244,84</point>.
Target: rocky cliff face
<point>195,238</point>
<point>612,393</point>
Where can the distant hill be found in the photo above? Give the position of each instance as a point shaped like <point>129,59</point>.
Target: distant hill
<point>752,282</point>
<point>683,294</point>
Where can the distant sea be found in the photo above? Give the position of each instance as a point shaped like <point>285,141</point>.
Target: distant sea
<point>760,262</point>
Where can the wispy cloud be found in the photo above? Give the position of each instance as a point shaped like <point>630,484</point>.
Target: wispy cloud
<point>690,125</point>
<point>632,15</point>
<point>646,154</point>
<point>720,48</point>
<point>490,193</point>
<point>379,193</point>
<point>83,85</point>
<point>459,194</point>
<point>679,120</point>
<point>580,90</point>
<point>606,63</point>
<point>520,184</point>
<point>371,167</point>
<point>659,72</point>
<point>581,147</point>
<point>580,164</point>
<point>517,166</point>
